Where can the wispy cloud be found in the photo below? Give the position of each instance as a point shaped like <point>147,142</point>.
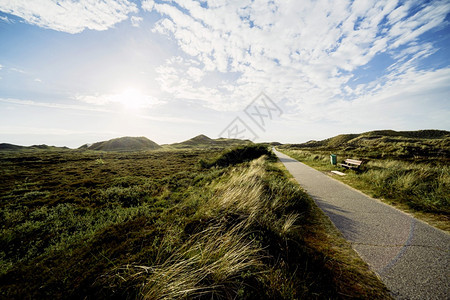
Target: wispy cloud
<point>328,64</point>
<point>305,53</point>
<point>17,130</point>
<point>6,19</point>
<point>136,21</point>
<point>99,105</point>
<point>52,105</point>
<point>17,70</point>
<point>70,16</point>
<point>414,97</point>
<point>183,79</point>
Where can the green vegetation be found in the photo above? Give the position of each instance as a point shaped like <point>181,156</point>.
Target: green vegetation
<point>386,144</point>
<point>202,141</point>
<point>408,169</point>
<point>238,155</point>
<point>130,144</point>
<point>124,144</point>
<point>11,147</point>
<point>157,225</point>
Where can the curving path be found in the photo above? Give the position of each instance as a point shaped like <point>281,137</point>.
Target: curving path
<point>411,257</point>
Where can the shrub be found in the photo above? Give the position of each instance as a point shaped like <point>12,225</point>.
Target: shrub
<point>238,155</point>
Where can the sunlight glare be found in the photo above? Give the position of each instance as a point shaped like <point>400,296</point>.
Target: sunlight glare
<point>132,99</point>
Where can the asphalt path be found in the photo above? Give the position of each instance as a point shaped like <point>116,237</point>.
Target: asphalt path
<point>411,257</point>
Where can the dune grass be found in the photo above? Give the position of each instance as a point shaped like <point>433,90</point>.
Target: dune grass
<point>154,230</point>
<point>421,187</point>
<point>421,145</point>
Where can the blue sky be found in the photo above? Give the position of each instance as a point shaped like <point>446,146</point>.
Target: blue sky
<point>76,72</point>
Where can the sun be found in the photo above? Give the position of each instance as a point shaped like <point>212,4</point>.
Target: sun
<point>132,99</point>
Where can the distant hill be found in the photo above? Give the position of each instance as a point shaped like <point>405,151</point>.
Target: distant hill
<point>11,147</point>
<point>202,141</point>
<point>137,144</point>
<point>373,137</point>
<point>123,144</point>
<point>421,143</point>
<point>196,141</point>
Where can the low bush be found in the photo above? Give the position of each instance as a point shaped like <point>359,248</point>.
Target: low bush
<point>238,155</point>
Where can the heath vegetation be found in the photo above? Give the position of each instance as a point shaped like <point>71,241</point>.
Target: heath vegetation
<point>408,169</point>
<point>161,224</point>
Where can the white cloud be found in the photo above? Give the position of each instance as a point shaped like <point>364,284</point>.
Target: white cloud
<point>148,5</point>
<point>195,73</point>
<point>18,70</point>
<point>415,97</point>
<point>184,79</point>
<point>70,16</point>
<point>6,19</point>
<point>136,21</point>
<point>303,53</point>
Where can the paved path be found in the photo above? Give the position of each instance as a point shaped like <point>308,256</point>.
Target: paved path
<point>411,257</point>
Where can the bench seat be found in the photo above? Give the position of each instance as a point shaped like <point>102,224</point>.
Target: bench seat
<point>351,163</point>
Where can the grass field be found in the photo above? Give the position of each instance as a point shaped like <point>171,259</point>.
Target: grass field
<point>168,224</point>
<point>415,146</point>
<point>421,187</point>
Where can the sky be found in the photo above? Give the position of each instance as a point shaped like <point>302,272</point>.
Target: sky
<point>76,72</point>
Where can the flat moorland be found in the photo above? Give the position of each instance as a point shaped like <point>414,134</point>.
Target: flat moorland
<point>51,177</point>
<point>202,224</point>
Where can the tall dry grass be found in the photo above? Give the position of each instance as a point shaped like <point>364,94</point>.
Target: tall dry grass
<point>245,239</point>
<point>207,264</point>
<point>210,263</point>
<point>420,185</point>
<point>246,193</point>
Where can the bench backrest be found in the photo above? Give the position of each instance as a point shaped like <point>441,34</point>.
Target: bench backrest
<point>353,162</point>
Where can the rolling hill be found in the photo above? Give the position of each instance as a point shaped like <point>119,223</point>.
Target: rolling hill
<point>202,141</point>
<point>11,147</point>
<point>137,144</point>
<point>123,144</point>
<point>385,143</point>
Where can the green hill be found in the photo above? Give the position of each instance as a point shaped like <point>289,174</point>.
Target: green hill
<point>202,141</point>
<point>385,143</point>
<point>11,147</point>
<point>197,141</point>
<point>123,144</point>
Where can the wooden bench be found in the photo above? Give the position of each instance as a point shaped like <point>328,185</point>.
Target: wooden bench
<point>351,164</point>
